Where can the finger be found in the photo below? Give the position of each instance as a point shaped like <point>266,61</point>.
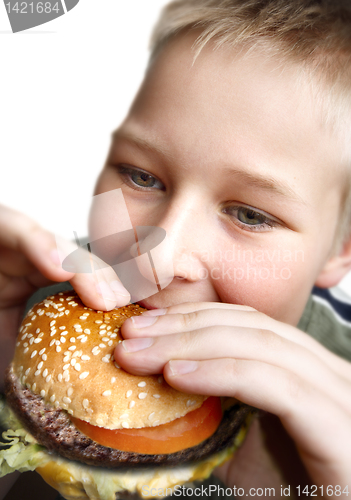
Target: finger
<point>305,412</point>
<point>169,323</point>
<point>238,343</point>
<point>188,307</point>
<point>100,289</point>
<point>20,234</point>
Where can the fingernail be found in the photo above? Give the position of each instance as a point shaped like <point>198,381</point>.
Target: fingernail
<point>117,287</point>
<point>182,366</point>
<point>155,312</point>
<point>134,345</point>
<point>55,257</point>
<point>143,321</point>
<point>105,291</point>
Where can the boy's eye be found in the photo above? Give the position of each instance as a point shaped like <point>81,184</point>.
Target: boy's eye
<point>139,178</point>
<point>250,219</point>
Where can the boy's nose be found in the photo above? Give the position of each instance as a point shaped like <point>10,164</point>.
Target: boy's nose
<point>187,240</point>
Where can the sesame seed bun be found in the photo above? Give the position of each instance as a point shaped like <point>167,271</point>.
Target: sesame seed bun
<point>64,353</point>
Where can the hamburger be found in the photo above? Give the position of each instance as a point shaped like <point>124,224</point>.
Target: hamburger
<point>94,431</point>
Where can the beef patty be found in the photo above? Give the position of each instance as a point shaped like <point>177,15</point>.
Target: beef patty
<point>53,428</point>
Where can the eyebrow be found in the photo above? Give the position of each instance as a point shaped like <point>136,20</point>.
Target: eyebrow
<point>264,183</point>
<point>141,143</point>
<point>254,179</point>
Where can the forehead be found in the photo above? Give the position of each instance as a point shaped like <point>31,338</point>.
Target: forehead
<point>238,110</point>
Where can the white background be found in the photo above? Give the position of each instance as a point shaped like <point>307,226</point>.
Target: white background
<point>64,87</point>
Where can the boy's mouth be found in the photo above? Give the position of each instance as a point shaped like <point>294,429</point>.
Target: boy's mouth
<point>145,304</point>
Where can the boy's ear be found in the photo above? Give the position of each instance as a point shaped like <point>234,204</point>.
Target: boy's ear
<point>335,268</point>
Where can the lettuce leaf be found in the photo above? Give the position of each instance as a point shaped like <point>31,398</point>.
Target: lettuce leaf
<point>21,451</point>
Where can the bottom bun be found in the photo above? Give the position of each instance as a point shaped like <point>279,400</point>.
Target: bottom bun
<point>76,481</point>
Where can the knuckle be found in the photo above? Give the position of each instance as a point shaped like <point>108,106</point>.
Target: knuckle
<point>187,320</point>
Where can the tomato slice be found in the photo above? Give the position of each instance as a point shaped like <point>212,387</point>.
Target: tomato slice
<point>180,434</point>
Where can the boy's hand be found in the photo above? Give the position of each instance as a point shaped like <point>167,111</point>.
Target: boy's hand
<point>29,260</point>
<point>230,350</point>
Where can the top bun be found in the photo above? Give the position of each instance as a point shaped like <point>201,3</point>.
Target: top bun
<point>64,353</point>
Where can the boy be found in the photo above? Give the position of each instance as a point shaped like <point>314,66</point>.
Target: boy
<point>242,156</point>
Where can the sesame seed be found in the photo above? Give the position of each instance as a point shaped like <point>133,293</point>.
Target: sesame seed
<point>34,386</point>
<point>52,323</point>
<point>58,348</point>
<point>44,357</point>
<point>63,340</point>
<point>24,336</point>
<point>48,378</point>
<point>40,365</point>
<point>42,351</point>
<point>65,367</point>
<point>124,416</point>
<point>57,342</point>
<point>82,317</point>
<point>151,416</point>
<point>70,412</point>
<point>37,330</point>
<point>41,335</point>
<point>85,402</point>
<point>27,371</point>
<point>125,425</point>
<point>102,332</point>
<point>73,361</point>
<point>113,335</point>
<point>99,421</point>
<point>52,398</point>
<point>142,384</point>
<point>72,339</point>
<point>131,404</point>
<point>83,375</point>
<point>52,343</point>
<point>62,327</point>
<point>157,396</point>
<point>98,321</point>
<point>129,393</point>
<point>102,326</point>
<point>36,341</point>
<point>87,330</point>
<point>31,341</point>
<point>109,343</point>
<point>106,359</point>
<point>105,339</point>
<point>34,353</point>
<point>77,367</point>
<point>59,377</point>
<point>102,346</point>
<point>45,372</point>
<point>113,380</point>
<point>108,328</point>
<point>42,393</point>
<point>84,339</point>
<point>70,391</point>
<point>66,376</point>
<point>85,357</point>
<point>64,333</point>
<point>57,404</point>
<point>142,395</point>
<point>116,365</point>
<point>72,348</point>
<point>66,400</point>
<point>155,423</point>
<point>66,311</point>
<point>107,393</point>
<point>25,344</point>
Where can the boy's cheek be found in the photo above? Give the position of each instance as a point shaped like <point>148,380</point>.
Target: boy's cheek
<point>279,289</point>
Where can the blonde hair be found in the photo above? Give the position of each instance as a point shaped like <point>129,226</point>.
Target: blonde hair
<point>316,34</point>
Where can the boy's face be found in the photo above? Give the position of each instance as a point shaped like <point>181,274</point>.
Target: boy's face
<point>233,161</point>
